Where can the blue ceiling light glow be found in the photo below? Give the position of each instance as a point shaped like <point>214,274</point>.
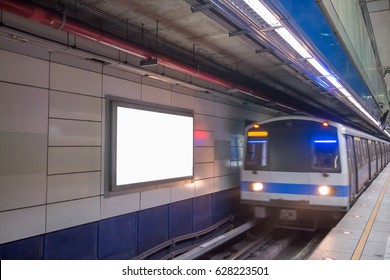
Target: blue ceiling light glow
<point>256,141</point>
<point>325,141</point>
<point>300,54</point>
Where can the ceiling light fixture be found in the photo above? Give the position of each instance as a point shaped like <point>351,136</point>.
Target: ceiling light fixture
<point>314,62</point>
<point>290,39</point>
<point>260,9</point>
<point>334,81</point>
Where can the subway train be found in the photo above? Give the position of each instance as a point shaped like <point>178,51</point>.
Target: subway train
<point>306,172</point>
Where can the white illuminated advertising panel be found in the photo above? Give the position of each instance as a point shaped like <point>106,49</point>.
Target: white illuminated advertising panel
<point>152,146</point>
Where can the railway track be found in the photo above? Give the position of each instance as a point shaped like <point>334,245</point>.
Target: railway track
<point>259,242</point>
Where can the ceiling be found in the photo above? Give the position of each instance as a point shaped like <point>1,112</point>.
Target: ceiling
<point>202,36</point>
<point>379,11</point>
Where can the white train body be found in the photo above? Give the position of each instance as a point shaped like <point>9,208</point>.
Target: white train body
<point>300,162</point>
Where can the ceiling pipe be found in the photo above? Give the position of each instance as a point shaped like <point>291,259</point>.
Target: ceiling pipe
<point>45,17</point>
<point>51,19</point>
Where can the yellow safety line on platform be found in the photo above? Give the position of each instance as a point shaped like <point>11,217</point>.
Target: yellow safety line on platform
<point>363,239</point>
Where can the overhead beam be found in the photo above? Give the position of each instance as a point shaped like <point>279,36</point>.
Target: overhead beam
<point>238,32</point>
<point>386,70</point>
<point>284,63</point>
<point>201,8</point>
<point>148,62</point>
<point>263,50</point>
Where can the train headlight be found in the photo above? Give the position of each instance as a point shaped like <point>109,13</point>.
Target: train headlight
<point>257,187</point>
<point>325,190</point>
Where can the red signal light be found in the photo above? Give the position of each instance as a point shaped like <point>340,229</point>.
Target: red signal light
<point>326,124</point>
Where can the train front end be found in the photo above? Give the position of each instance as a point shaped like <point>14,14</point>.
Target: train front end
<point>293,166</point>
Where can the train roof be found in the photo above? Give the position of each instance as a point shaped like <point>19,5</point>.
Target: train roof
<point>342,128</point>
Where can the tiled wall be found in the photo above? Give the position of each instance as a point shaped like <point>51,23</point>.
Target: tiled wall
<point>126,236</point>
<point>52,202</point>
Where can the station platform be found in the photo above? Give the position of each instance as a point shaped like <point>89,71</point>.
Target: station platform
<point>364,232</point>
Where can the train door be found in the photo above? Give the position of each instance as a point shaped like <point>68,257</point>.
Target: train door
<point>352,168</point>
<point>364,172</point>
<point>372,155</point>
<point>383,155</point>
<point>369,159</point>
<point>388,153</point>
<point>375,157</point>
<point>378,153</point>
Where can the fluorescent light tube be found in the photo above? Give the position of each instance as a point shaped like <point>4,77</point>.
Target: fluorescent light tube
<point>357,105</point>
<point>289,38</point>
<point>262,11</point>
<point>345,92</point>
<point>314,62</point>
<point>334,81</point>
<point>354,102</point>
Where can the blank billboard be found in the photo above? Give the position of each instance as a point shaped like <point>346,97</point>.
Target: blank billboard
<point>152,145</point>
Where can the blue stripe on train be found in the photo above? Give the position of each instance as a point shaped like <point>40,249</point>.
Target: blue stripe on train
<point>305,189</point>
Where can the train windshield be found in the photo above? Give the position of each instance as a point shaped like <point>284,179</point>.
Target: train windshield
<point>293,146</point>
<point>326,154</point>
<point>256,154</point>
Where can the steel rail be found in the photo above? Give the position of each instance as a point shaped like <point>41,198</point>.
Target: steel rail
<point>217,241</point>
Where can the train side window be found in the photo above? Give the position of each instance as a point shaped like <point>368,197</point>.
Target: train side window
<point>381,154</point>
<point>365,151</point>
<point>359,152</point>
<point>326,155</point>
<point>378,151</point>
<point>372,150</point>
